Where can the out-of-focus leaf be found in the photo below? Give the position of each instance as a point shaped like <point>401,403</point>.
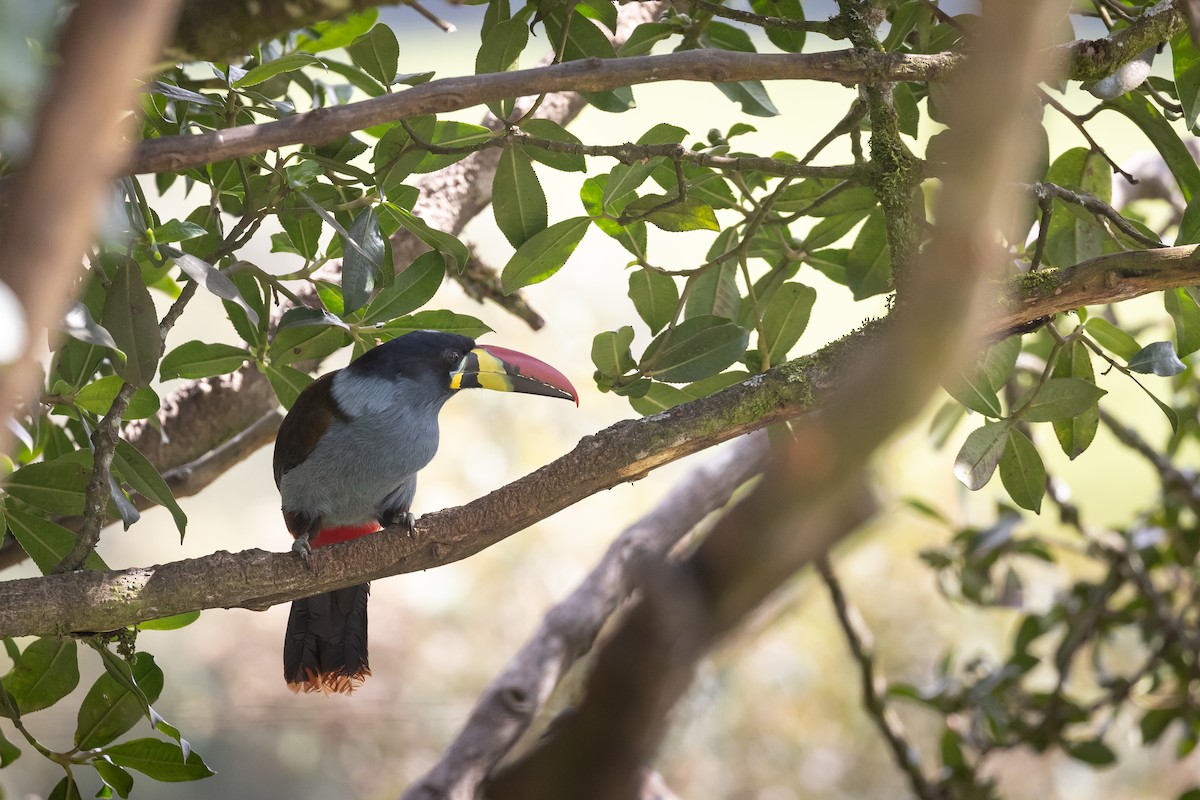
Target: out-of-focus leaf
<point>79,324</point>
<point>1140,109</point>
<point>171,623</point>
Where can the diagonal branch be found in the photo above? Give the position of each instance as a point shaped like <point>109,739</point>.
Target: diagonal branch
<point>506,709</point>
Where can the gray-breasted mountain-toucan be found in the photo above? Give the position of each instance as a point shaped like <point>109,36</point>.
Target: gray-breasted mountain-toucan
<point>346,462</point>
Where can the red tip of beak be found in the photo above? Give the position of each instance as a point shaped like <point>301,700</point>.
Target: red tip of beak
<point>533,368</point>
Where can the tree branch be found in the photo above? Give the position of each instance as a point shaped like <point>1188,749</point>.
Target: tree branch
<point>176,153</point>
<point>506,709</point>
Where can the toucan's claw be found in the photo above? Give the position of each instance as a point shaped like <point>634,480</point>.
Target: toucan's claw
<point>302,547</point>
<point>404,518</point>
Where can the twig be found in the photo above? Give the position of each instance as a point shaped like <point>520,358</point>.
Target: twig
<point>859,640</point>
<point>1172,478</point>
<point>1078,121</point>
<point>1042,191</point>
<point>831,28</point>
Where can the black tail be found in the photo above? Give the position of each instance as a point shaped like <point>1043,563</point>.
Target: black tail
<point>326,645</point>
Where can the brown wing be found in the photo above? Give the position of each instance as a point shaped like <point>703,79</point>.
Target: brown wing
<point>304,425</point>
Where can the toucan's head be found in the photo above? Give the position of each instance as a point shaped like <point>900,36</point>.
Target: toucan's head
<point>455,362</point>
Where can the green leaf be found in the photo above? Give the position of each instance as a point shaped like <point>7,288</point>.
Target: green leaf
<point>337,33</point>
<point>544,254</point>
<point>1185,61</point>
<point>714,292</point>
<point>214,281</point>
<point>869,264</point>
<point>1140,109</point>
<point>1111,338</point>
<point>196,359</point>
<point>980,454</point>
<point>264,72</point>
<point>452,134</point>
<point>9,752</point>
<point>114,777</point>
<point>1158,358</point>
<point>1073,237</point>
<point>305,342</point>
<point>785,319</point>
<point>974,392</point>
<point>501,46</point>
<point>78,323</point>
<point>287,382</point>
<point>303,229</point>
<point>624,179</point>
<point>46,542</point>
<point>129,316</point>
<point>160,760</point>
<point>610,351</point>
<point>111,707</point>
<point>65,789</point>
<point>696,348</point>
<point>751,96</point>
<point>363,263</point>
<point>377,52</point>
<point>518,200</point>
<point>97,397</point>
<point>549,129</point>
<point>171,623</point>
<point>136,470</point>
<point>655,296</point>
<point>1076,434</point>
<point>786,40</point>
<point>47,671</point>
<point>412,288</point>
<point>644,37</point>
<point>1061,398</point>
<point>1095,752</point>
<point>1186,314</point>
<point>998,362</point>
<point>1022,471</point>
<point>57,486</point>
<point>690,214</point>
<point>438,240</point>
<point>437,320</point>
<point>659,397</point>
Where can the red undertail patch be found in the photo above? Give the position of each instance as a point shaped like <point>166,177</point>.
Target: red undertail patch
<point>344,533</point>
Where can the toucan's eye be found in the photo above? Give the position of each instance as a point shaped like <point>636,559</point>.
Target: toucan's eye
<point>453,357</point>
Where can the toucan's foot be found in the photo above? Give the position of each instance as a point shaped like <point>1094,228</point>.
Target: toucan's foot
<point>302,547</point>
<point>406,519</point>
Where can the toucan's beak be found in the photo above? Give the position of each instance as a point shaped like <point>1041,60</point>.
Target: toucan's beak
<point>504,370</point>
